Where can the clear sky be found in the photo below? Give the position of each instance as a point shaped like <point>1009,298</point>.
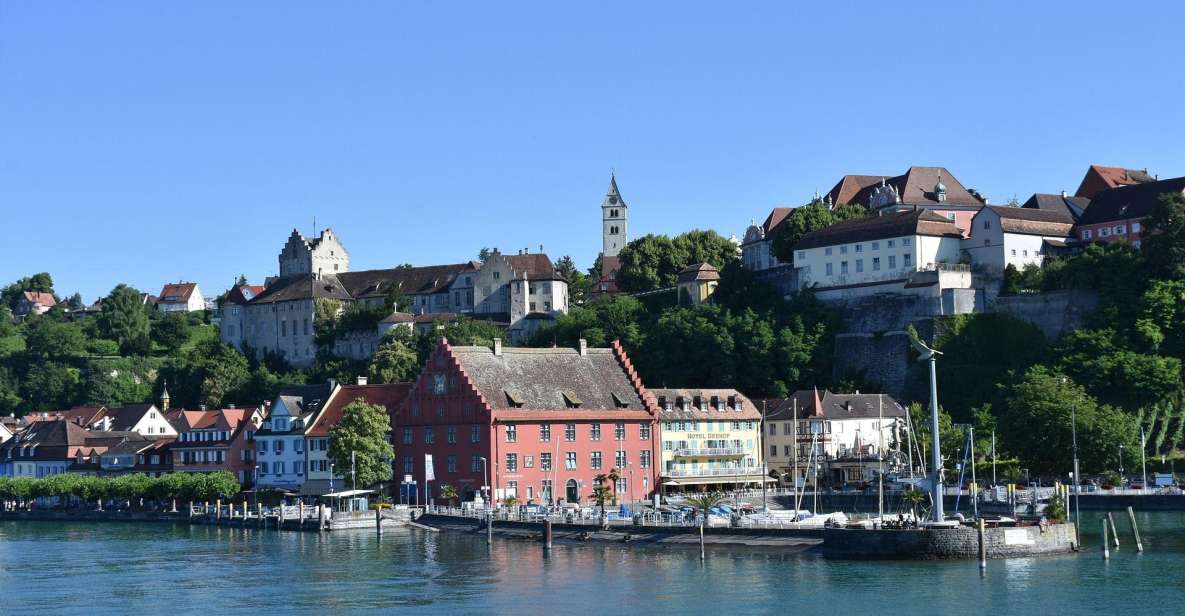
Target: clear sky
<point>157,141</point>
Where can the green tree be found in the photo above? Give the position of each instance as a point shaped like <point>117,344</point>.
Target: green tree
<point>362,432</point>
<point>206,375</point>
<point>41,283</point>
<point>124,319</point>
<point>113,382</point>
<point>980,351</point>
<point>448,493</point>
<point>393,362</point>
<point>11,340</point>
<point>1164,237</point>
<point>703,503</point>
<point>654,261</point>
<point>50,386</point>
<point>579,284</point>
<point>1099,360</point>
<point>811,217</point>
<point>48,339</point>
<point>172,330</point>
<point>1035,424</point>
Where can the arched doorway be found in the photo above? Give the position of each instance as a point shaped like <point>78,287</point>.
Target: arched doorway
<point>571,491</point>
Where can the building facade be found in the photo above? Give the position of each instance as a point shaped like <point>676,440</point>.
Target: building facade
<point>321,476</point>
<point>313,256</point>
<point>1118,214</point>
<point>1020,237</point>
<point>280,443</point>
<point>614,236</point>
<point>919,188</point>
<point>710,438</point>
<point>217,440</point>
<point>181,297</point>
<point>547,425</point>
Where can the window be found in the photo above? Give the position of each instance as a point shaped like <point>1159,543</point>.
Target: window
<point>802,255</point>
<point>1086,234</point>
<point>570,460</point>
<point>859,265</point>
<point>906,241</point>
<point>451,464</point>
<point>1105,232</point>
<point>622,458</point>
<point>890,245</point>
<point>1013,254</point>
<point>280,446</point>
<point>545,461</point>
<point>621,485</point>
<point>644,432</point>
<point>475,464</point>
<point>893,263</point>
<point>528,461</point>
<point>452,435</point>
<point>512,488</point>
<point>1135,229</point>
<point>409,464</point>
<point>859,247</point>
<point>439,384</point>
<point>429,436</point>
<point>283,328</point>
<point>545,432</point>
<point>619,431</point>
<point>475,434</point>
<point>876,245</point>
<point>569,432</point>
<point>263,467</point>
<point>876,264</point>
<point>843,250</point>
<point>843,267</point>
<point>511,462</point>
<point>773,450</point>
<point>512,433</point>
<point>595,431</point>
<point>827,251</point>
<point>595,462</point>
<point>279,468</point>
<point>644,458</point>
<point>907,260</point>
<point>829,270</point>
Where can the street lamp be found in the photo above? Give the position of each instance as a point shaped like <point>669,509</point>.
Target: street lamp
<point>931,356</point>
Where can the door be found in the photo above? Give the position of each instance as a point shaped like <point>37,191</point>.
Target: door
<point>572,495</point>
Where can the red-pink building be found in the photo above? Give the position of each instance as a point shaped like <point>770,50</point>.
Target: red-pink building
<point>1118,213</point>
<point>547,421</point>
<point>218,440</point>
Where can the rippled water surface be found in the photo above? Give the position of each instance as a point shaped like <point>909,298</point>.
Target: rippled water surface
<point>48,568</point>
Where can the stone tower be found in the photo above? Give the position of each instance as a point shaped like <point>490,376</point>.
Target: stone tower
<point>614,231</point>
<point>321,255</point>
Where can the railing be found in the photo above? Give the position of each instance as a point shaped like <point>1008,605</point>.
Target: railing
<point>714,472</point>
<point>710,451</point>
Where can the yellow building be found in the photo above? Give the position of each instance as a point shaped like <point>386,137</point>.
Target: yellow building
<point>697,283</point>
<point>710,438</point>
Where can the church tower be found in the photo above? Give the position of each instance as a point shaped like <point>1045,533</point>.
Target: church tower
<point>614,233</point>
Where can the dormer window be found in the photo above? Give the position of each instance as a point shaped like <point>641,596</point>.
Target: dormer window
<point>697,402</point>
<point>733,404</point>
<point>513,398</point>
<point>439,384</point>
<point>715,403</point>
<point>571,400</point>
<point>662,403</point>
<point>681,403</point>
<point>620,402</point>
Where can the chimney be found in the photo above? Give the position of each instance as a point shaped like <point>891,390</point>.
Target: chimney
<point>1063,194</point>
<point>497,347</point>
<point>332,383</point>
<point>202,407</point>
<point>231,405</point>
<point>361,380</point>
<point>583,346</point>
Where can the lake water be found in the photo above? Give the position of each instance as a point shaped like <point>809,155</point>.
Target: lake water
<point>48,568</point>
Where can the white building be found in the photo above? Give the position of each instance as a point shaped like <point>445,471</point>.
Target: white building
<point>181,297</point>
<point>145,419</point>
<point>1003,236</point>
<point>876,254</point>
<point>281,454</point>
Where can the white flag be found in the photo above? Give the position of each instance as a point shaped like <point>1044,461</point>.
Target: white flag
<point>429,475</point>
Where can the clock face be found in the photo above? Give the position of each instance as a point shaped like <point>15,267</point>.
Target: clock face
<point>613,200</point>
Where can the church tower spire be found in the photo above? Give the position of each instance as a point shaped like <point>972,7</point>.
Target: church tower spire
<point>614,233</point>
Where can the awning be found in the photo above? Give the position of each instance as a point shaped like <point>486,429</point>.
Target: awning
<point>699,481</point>
<point>347,493</point>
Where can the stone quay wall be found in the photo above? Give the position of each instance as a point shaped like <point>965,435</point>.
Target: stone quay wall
<point>947,543</point>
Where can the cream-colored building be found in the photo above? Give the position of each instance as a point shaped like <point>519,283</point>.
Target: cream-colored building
<point>697,283</point>
<point>710,438</point>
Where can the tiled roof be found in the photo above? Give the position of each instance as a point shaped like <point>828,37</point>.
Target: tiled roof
<point>537,266</point>
<point>40,298</point>
<point>176,293</point>
<point>125,418</point>
<point>1099,178</point>
<point>1030,221</point>
<point>915,187</point>
<point>1070,206</point>
<point>556,379</point>
<point>833,406</point>
<point>698,271</point>
<point>387,396</point>
<point>80,415</point>
<point>1132,201</point>
<point>672,411</point>
<point>49,440</point>
<point>775,218</point>
<point>411,280</point>
<point>302,286</point>
<point>304,402</point>
<point>896,224</point>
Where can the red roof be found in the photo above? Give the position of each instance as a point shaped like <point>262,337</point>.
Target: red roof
<point>177,293</point>
<point>1099,178</point>
<point>40,298</point>
<point>387,396</point>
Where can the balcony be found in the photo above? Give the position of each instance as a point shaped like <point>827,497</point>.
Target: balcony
<point>713,472</point>
<point>709,452</point>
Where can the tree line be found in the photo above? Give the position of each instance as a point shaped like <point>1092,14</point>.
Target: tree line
<point>88,489</point>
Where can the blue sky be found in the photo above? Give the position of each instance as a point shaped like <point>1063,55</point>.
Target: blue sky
<point>149,142</point>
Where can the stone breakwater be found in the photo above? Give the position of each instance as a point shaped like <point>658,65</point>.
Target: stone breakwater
<point>948,543</point>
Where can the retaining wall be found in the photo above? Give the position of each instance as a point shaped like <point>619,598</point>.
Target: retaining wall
<point>947,543</point>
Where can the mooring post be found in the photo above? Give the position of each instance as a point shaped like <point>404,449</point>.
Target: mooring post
<point>982,545</point>
<point>320,517</point>
<point>1131,516</point>
<point>259,514</point>
<point>378,521</point>
<point>1114,533</point>
<point>1106,546</point>
<point>300,512</point>
<point>218,511</point>
<point>547,534</point>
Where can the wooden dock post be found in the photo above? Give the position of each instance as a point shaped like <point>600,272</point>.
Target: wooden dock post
<point>300,512</point>
<point>378,521</point>
<point>218,512</point>
<point>1131,516</point>
<point>547,534</point>
<point>1114,533</point>
<point>259,514</point>
<point>1106,546</point>
<point>982,545</point>
<point>320,517</point>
